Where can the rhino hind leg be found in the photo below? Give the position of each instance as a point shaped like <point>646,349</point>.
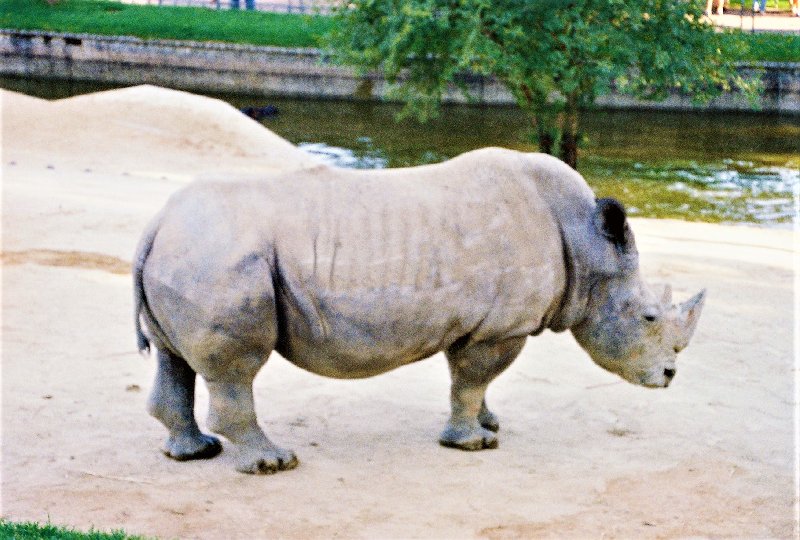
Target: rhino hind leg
<point>232,414</point>
<point>471,425</point>
<point>172,403</point>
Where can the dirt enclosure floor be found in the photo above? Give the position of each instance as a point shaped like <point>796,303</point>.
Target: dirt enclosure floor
<point>582,454</point>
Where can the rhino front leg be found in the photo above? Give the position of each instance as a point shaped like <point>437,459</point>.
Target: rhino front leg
<point>473,367</point>
<point>172,403</point>
<point>232,414</point>
<point>487,418</point>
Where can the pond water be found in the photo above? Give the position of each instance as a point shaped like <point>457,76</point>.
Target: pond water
<point>709,166</point>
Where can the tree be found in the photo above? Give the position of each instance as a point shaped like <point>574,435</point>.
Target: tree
<point>555,56</point>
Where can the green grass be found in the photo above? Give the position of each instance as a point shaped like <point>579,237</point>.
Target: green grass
<point>733,6</point>
<point>154,22</point>
<point>764,46</point>
<point>36,531</point>
<point>257,28</point>
<point>773,6</point>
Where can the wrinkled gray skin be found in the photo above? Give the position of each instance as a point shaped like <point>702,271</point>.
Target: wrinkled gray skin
<point>353,273</point>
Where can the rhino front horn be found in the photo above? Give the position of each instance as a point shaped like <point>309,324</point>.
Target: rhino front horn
<point>688,315</point>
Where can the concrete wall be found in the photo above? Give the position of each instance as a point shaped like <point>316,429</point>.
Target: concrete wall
<point>219,67</point>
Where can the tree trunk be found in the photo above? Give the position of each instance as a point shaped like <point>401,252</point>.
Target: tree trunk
<point>543,118</point>
<point>545,141</point>
<point>545,133</point>
<point>569,149</point>
<point>569,134</point>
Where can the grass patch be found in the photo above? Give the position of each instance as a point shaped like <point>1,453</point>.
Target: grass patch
<point>762,46</point>
<point>154,22</point>
<point>36,531</point>
<point>732,7</point>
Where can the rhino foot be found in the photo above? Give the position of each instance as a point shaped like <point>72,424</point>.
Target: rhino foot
<point>489,420</point>
<point>478,438</point>
<point>188,448</point>
<point>267,461</point>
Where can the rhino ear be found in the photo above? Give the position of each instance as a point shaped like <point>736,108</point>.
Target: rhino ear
<point>612,222</point>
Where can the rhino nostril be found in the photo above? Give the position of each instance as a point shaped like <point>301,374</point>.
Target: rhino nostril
<point>669,373</point>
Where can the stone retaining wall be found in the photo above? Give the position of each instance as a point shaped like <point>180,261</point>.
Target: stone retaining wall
<point>271,71</point>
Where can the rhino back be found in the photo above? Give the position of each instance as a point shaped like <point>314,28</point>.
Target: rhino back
<point>358,272</point>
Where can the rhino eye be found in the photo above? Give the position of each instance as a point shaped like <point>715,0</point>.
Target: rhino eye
<point>650,318</point>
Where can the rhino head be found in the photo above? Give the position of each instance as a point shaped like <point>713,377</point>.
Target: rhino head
<point>627,329</point>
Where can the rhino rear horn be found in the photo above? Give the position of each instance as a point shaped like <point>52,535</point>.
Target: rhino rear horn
<point>688,315</point>
<point>612,222</point>
<point>666,295</point>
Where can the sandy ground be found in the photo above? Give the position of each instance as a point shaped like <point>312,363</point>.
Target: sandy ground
<point>582,454</point>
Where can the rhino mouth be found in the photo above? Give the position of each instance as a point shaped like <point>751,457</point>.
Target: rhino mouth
<point>658,381</point>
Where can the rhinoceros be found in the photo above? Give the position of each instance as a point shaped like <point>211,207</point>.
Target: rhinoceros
<point>349,274</point>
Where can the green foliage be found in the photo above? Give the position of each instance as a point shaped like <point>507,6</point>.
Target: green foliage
<point>154,22</point>
<point>36,531</point>
<point>555,56</point>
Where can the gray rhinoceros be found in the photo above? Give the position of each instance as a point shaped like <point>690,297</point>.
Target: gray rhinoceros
<point>353,273</point>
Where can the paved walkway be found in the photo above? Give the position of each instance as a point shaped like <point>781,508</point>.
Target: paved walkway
<point>770,22</point>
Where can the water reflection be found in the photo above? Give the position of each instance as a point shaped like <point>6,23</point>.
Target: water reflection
<point>351,158</point>
<point>728,167</point>
<point>723,192</point>
<point>712,167</point>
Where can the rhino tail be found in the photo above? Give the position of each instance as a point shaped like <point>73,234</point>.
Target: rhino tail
<point>140,306</point>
